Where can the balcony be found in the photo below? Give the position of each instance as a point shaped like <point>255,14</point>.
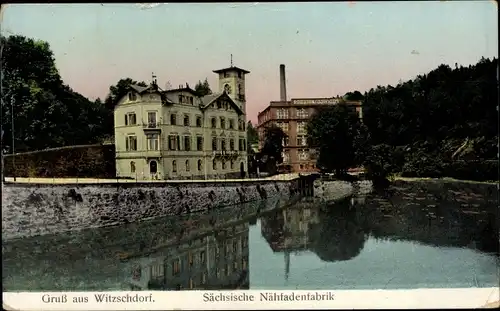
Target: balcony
<point>226,154</point>
<point>151,127</point>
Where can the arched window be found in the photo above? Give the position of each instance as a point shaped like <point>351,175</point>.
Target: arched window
<point>174,166</point>
<point>223,164</point>
<point>153,167</point>
<point>132,167</point>
<point>199,165</point>
<point>187,166</point>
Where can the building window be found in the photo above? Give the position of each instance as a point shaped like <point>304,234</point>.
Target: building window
<point>153,142</point>
<point>286,157</point>
<point>214,143</point>
<point>235,266</point>
<point>231,144</point>
<point>235,246</point>
<point>132,167</point>
<point>244,144</point>
<point>241,125</point>
<point>213,122</point>
<point>301,127</point>
<point>202,257</point>
<point>190,259</point>
<point>301,141</point>
<point>222,123</point>
<point>223,144</point>
<point>187,166</point>
<point>223,164</point>
<point>191,100</point>
<point>217,272</point>
<point>132,96</point>
<point>157,271</point>
<point>282,113</point>
<point>283,126</point>
<point>176,267</point>
<point>131,143</point>
<point>232,164</point>
<point>187,143</point>
<point>198,121</point>
<point>199,165</point>
<point>302,113</point>
<point>204,278</point>
<point>285,141</point>
<point>186,120</point>
<point>231,124</point>
<point>240,144</point>
<point>199,143</point>
<point>244,243</point>
<point>303,154</point>
<point>174,166</point>
<point>243,264</point>
<point>191,283</point>
<point>214,165</point>
<point>130,119</point>
<point>228,269</point>
<point>152,119</point>
<point>173,119</point>
<point>173,142</point>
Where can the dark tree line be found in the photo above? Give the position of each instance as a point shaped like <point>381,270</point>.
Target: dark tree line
<point>443,123</point>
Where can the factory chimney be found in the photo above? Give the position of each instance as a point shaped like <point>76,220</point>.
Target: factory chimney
<point>282,83</point>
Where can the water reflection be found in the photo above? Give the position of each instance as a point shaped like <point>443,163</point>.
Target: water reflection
<point>407,237</point>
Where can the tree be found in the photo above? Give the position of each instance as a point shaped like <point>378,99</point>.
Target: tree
<point>252,135</point>
<point>334,132</point>
<point>273,147</point>
<point>356,95</point>
<point>46,112</point>
<point>203,88</point>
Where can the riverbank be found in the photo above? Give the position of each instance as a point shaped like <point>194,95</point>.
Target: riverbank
<point>445,179</point>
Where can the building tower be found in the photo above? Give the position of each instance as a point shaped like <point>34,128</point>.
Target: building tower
<point>232,81</point>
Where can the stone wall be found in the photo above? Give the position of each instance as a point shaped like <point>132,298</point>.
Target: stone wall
<point>38,209</point>
<point>337,189</point>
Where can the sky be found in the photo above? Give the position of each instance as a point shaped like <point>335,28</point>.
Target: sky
<point>328,48</point>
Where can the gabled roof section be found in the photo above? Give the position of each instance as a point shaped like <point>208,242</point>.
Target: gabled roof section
<point>184,89</point>
<point>232,68</point>
<point>209,99</point>
<point>140,89</point>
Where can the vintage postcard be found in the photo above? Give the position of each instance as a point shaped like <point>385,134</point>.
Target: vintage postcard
<point>193,156</point>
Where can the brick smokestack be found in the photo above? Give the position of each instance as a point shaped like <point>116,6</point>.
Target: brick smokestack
<point>282,83</point>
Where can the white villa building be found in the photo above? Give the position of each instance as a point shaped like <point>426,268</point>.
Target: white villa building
<point>176,134</point>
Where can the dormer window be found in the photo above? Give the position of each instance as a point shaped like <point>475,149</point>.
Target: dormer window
<point>132,96</point>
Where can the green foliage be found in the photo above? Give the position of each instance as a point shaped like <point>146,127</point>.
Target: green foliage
<point>252,135</point>
<point>46,112</point>
<point>90,161</point>
<point>273,143</point>
<point>203,88</point>
<point>337,133</point>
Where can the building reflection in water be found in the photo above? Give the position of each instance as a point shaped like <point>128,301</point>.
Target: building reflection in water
<point>218,261</point>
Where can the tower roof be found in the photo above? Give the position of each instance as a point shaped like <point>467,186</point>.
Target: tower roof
<point>232,68</point>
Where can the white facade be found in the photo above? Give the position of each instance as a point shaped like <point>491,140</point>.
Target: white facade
<point>176,134</point>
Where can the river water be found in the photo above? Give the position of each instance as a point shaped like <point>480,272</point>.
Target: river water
<point>411,236</point>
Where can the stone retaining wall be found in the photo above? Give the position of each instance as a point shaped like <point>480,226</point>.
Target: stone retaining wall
<point>38,209</point>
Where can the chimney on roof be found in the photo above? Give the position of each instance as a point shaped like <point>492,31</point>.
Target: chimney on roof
<point>282,83</point>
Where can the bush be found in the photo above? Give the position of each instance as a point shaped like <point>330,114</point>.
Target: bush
<point>484,170</point>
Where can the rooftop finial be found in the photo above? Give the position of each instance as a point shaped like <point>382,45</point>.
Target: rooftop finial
<point>153,77</point>
<point>231,60</point>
